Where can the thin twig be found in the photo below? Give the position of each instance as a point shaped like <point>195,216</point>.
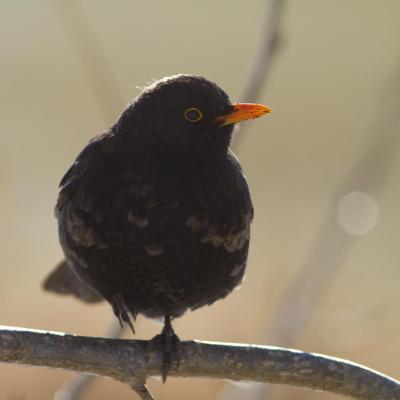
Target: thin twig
<point>94,61</point>
<point>270,39</point>
<point>142,391</point>
<point>332,244</point>
<point>130,361</point>
<point>109,99</point>
<point>265,53</point>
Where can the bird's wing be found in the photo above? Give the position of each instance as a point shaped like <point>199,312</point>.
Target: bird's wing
<point>63,280</point>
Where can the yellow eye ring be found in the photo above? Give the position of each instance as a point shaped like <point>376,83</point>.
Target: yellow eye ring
<point>193,114</point>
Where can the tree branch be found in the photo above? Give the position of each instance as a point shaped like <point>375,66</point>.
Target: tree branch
<point>73,389</point>
<point>129,361</point>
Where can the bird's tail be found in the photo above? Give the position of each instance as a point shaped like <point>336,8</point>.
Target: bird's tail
<point>63,280</point>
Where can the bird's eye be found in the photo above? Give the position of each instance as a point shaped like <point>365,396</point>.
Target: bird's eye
<point>193,114</point>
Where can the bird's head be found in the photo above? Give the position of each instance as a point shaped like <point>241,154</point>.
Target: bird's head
<point>185,115</point>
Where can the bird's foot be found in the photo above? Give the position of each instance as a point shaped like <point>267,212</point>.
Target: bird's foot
<point>170,347</point>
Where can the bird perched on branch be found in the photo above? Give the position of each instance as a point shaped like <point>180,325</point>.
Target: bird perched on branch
<point>154,215</point>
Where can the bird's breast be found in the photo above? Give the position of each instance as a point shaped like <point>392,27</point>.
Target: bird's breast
<point>151,210</point>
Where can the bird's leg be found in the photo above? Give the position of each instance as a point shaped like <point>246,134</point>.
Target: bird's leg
<point>170,346</point>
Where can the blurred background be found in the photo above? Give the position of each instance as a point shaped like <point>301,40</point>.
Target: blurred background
<point>323,273</point>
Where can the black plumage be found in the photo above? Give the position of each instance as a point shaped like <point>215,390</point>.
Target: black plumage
<point>154,215</point>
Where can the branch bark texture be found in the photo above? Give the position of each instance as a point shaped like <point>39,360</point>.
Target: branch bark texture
<point>129,361</point>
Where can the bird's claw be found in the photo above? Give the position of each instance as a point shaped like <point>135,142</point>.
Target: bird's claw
<point>169,343</point>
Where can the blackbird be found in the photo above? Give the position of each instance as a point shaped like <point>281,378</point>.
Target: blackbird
<point>154,215</point>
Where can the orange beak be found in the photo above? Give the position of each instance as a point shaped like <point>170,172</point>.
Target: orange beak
<point>243,111</point>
